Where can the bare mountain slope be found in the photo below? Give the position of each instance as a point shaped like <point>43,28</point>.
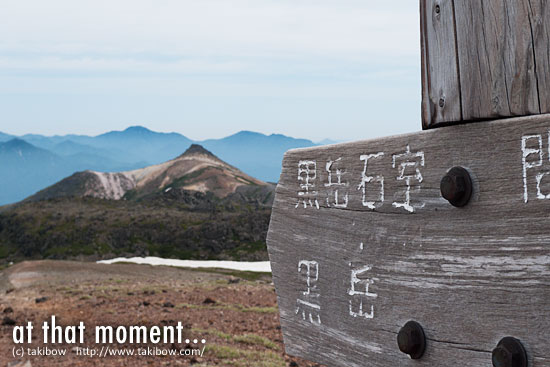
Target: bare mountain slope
<point>195,170</point>
<point>194,206</point>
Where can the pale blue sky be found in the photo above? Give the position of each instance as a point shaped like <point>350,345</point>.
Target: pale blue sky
<point>340,69</point>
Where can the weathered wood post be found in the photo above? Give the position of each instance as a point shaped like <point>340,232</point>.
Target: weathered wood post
<point>367,236</point>
<point>484,59</point>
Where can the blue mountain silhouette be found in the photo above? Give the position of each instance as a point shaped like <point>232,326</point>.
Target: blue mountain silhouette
<point>32,162</point>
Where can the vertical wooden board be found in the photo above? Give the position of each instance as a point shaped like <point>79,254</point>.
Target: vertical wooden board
<point>361,241</point>
<point>441,94</point>
<point>540,26</point>
<point>496,59</point>
<point>425,110</point>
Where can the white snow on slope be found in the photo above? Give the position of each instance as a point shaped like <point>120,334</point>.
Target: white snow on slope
<point>257,266</point>
<point>113,187</point>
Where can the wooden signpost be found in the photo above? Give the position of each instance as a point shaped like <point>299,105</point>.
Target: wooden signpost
<point>484,59</point>
<point>449,228</point>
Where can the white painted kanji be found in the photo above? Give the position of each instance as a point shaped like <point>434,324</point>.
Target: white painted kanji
<point>532,157</point>
<point>359,292</point>
<point>404,162</point>
<point>307,176</point>
<point>335,184</point>
<point>308,303</point>
<point>366,179</point>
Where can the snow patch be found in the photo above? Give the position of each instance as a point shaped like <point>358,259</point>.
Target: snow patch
<point>114,187</point>
<point>256,266</point>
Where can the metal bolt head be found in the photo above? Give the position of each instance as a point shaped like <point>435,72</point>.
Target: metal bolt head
<point>411,340</point>
<point>509,353</point>
<point>456,186</point>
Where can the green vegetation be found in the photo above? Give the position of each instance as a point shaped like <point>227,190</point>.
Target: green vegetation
<point>260,309</point>
<point>187,179</point>
<point>247,248</point>
<point>5,250</point>
<point>246,275</point>
<point>250,339</point>
<point>80,228</point>
<point>232,307</point>
<point>130,194</point>
<point>245,358</point>
<point>254,339</point>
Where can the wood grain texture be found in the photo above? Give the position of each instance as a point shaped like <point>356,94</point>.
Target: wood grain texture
<point>342,252</point>
<point>540,26</point>
<point>502,51</point>
<point>496,58</point>
<point>441,100</point>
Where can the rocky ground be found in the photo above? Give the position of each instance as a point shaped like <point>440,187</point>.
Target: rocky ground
<point>234,312</point>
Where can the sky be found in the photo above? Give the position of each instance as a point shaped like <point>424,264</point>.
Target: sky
<point>315,69</point>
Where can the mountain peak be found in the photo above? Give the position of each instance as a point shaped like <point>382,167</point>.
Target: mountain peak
<point>197,149</point>
<point>18,143</point>
<point>137,129</point>
<point>196,170</point>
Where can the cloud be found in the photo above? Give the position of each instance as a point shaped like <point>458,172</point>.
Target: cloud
<point>242,29</point>
<point>286,63</point>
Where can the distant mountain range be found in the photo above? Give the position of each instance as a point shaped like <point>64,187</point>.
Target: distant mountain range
<point>31,162</point>
<point>192,206</point>
<point>196,170</point>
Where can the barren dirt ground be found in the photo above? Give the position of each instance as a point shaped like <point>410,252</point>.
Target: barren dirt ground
<point>236,313</point>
